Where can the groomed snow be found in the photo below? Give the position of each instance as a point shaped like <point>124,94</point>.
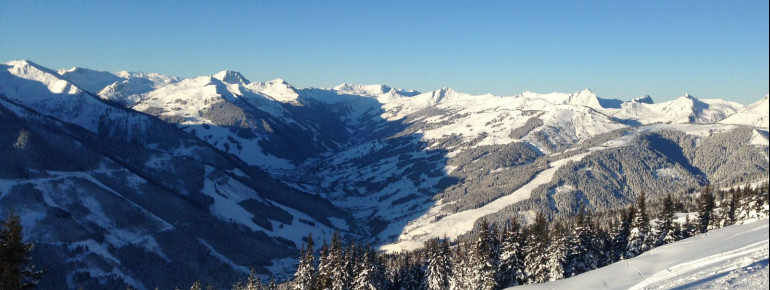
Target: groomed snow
<point>734,257</point>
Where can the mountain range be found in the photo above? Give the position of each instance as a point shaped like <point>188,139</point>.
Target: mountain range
<point>151,180</point>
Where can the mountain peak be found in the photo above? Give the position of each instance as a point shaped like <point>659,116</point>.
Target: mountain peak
<point>646,99</point>
<point>230,77</point>
<point>368,90</point>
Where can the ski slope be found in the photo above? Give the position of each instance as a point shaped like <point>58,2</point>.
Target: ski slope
<point>734,257</point>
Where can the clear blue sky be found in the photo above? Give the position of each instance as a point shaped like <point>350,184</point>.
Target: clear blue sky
<point>619,49</point>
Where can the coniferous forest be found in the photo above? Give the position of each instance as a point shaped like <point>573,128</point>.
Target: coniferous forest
<point>496,256</point>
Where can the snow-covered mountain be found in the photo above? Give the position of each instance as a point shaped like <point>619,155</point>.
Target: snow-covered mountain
<point>98,185</point>
<point>267,163</point>
<point>754,115</point>
<point>734,257</point>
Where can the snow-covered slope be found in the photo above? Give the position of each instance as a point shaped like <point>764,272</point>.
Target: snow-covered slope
<point>734,257</point>
<point>755,115</point>
<point>89,80</point>
<point>381,164</point>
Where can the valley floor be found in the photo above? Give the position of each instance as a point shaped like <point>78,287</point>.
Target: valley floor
<point>734,257</point>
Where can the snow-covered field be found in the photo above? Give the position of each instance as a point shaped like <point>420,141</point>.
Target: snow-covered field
<point>734,257</point>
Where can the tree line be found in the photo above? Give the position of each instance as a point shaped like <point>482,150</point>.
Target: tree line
<point>499,256</point>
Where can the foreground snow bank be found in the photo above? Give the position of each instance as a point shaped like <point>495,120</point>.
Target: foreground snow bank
<point>730,257</point>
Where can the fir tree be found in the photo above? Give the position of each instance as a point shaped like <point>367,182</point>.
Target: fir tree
<point>16,272</point>
<point>196,286</point>
<point>705,209</point>
<point>370,275</point>
<point>304,278</point>
<point>325,270</point>
<point>459,279</point>
<point>668,230</point>
<point>238,286</point>
<point>536,261</point>
<point>639,236</point>
<point>580,257</point>
<point>253,282</point>
<point>511,268</point>
<point>485,258</point>
<point>621,233</point>
<point>439,266</point>
<point>556,253</point>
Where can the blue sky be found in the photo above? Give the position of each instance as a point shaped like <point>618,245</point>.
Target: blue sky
<point>619,49</point>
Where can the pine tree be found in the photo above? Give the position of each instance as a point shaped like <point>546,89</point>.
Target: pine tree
<point>253,283</point>
<point>304,278</point>
<point>459,279</point>
<point>668,230</point>
<point>580,256</point>
<point>16,271</point>
<point>324,277</point>
<point>485,258</point>
<point>272,285</point>
<point>511,269</point>
<point>705,209</point>
<point>639,237</point>
<point>556,253</point>
<point>536,261</point>
<point>196,286</point>
<point>238,286</point>
<point>439,266</point>
<point>370,275</point>
<point>621,233</point>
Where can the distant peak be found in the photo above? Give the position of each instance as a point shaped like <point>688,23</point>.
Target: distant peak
<point>230,77</point>
<point>370,90</point>
<point>23,62</point>
<point>646,99</point>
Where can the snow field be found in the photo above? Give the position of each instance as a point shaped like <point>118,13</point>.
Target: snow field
<point>734,257</point>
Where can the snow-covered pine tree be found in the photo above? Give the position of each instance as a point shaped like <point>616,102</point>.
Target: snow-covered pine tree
<point>345,266</point>
<point>485,258</point>
<point>556,253</point>
<point>705,204</point>
<point>728,208</point>
<point>239,285</point>
<point>304,278</point>
<point>324,277</point>
<point>668,230</point>
<point>620,234</point>
<point>370,275</point>
<point>196,286</point>
<point>253,282</point>
<point>439,267</point>
<point>16,271</point>
<point>536,261</point>
<point>511,269</point>
<point>272,285</point>
<point>580,256</point>
<point>640,239</point>
<point>459,278</point>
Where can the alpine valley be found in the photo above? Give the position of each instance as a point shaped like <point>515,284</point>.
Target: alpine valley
<point>148,180</point>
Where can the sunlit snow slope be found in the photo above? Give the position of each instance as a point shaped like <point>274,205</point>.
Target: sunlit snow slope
<point>734,257</point>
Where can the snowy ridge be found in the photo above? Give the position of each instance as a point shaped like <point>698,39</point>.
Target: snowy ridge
<point>730,257</point>
<point>755,115</point>
<point>685,109</point>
